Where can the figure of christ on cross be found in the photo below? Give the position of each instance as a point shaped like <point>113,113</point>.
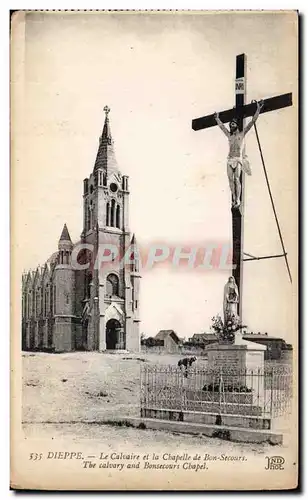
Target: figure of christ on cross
<point>237,160</point>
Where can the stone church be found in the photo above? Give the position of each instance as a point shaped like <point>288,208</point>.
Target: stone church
<point>68,307</point>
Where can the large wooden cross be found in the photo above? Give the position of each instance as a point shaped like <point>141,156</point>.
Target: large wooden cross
<point>240,111</point>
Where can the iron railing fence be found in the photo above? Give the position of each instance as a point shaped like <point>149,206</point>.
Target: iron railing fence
<point>251,392</point>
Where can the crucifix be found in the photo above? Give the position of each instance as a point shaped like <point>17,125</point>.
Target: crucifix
<point>107,110</point>
<point>237,115</point>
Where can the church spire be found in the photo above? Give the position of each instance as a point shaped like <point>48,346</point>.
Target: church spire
<point>65,235</point>
<point>105,158</point>
<point>65,242</point>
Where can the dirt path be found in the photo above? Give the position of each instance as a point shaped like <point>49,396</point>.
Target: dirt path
<point>114,438</point>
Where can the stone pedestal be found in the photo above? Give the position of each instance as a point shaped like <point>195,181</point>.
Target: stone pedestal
<point>238,364</point>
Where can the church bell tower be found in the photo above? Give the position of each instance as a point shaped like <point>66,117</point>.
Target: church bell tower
<point>111,290</point>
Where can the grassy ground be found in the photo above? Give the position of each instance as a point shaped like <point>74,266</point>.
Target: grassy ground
<point>70,395</point>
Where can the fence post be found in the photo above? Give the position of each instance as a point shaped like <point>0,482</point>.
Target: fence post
<point>271,396</point>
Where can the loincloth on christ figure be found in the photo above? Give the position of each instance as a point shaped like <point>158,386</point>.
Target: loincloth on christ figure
<point>242,162</point>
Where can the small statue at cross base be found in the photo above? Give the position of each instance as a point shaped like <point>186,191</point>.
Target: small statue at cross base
<point>237,159</point>
<point>231,299</point>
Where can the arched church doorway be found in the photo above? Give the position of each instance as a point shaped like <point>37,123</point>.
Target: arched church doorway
<point>113,334</point>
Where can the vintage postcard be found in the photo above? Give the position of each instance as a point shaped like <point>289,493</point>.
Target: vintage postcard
<point>154,307</point>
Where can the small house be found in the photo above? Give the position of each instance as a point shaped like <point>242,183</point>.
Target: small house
<point>202,339</point>
<point>168,340</point>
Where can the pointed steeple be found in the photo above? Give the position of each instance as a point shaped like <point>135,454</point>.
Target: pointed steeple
<point>65,247</point>
<point>65,235</point>
<point>105,158</point>
<point>65,242</point>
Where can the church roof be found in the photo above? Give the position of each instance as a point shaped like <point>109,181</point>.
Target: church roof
<point>105,158</point>
<point>65,235</point>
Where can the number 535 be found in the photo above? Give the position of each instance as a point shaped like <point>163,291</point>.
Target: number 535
<point>36,456</point>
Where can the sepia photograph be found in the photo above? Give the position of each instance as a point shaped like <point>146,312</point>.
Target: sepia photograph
<point>154,243</point>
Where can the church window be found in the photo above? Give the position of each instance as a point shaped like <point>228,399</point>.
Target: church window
<point>104,179</point>
<point>54,299</point>
<point>125,183</point>
<point>107,214</point>
<point>48,299</point>
<point>88,219</point>
<point>112,221</point>
<point>112,285</point>
<point>100,178</point>
<point>86,216</point>
<point>45,302</point>
<point>118,216</point>
<point>36,306</point>
<point>90,215</point>
<point>32,303</point>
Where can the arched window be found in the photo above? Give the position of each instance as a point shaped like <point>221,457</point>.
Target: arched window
<point>91,215</point>
<point>48,299</point>
<point>23,305</point>
<point>112,285</point>
<point>112,222</point>
<point>88,218</point>
<point>118,216</point>
<point>34,307</point>
<point>54,299</point>
<point>107,214</point>
<point>45,302</point>
<point>31,293</point>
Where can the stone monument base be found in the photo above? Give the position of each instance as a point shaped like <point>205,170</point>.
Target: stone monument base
<point>238,364</point>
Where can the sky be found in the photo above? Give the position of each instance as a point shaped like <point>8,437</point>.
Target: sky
<point>157,72</point>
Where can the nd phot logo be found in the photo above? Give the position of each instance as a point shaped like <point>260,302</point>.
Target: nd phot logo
<point>274,463</point>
